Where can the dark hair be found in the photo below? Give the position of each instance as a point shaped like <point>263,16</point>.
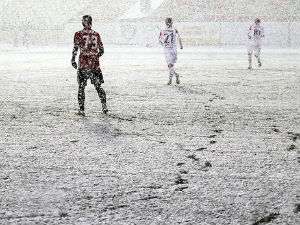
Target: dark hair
<point>168,21</point>
<point>87,20</point>
<point>257,20</point>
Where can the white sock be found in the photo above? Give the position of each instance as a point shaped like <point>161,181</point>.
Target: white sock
<point>258,58</point>
<point>172,72</point>
<point>250,60</point>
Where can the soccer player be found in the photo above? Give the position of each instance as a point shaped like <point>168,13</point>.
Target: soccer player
<point>255,34</point>
<point>91,48</point>
<point>167,38</point>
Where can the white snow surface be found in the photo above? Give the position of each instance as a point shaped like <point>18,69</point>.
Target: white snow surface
<point>220,148</point>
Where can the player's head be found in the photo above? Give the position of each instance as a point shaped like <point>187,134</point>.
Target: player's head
<point>87,21</point>
<point>169,21</point>
<point>257,21</point>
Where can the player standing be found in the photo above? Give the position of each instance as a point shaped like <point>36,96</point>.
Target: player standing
<point>167,38</point>
<point>91,48</point>
<point>255,34</point>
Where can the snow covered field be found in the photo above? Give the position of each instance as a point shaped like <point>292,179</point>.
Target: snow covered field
<point>220,148</point>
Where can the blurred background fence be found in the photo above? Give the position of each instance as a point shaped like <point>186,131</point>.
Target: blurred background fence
<point>138,22</point>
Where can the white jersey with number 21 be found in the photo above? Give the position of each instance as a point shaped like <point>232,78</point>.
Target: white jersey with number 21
<point>167,38</point>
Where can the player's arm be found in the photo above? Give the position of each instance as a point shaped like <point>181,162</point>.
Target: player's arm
<point>179,39</point>
<point>249,32</point>
<point>100,47</point>
<point>75,50</point>
<point>160,39</point>
<point>74,53</point>
<point>262,32</point>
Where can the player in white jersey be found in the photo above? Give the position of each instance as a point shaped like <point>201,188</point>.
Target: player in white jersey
<point>255,34</point>
<point>167,38</point>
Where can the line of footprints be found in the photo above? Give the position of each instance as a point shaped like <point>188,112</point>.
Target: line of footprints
<point>181,182</point>
<point>205,167</point>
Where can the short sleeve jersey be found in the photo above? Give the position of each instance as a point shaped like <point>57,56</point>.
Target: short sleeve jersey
<point>88,41</point>
<point>168,38</point>
<point>256,31</point>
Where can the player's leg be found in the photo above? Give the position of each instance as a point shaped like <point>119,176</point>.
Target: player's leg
<point>177,78</point>
<point>249,60</point>
<point>171,73</point>
<point>257,54</point>
<point>102,96</point>
<point>168,57</point>
<point>174,60</point>
<point>97,79</point>
<point>171,58</point>
<point>82,82</point>
<point>250,49</point>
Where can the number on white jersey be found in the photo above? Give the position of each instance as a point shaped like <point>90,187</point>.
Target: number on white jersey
<point>169,38</point>
<point>257,33</point>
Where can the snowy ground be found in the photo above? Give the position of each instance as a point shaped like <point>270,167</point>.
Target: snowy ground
<point>220,148</point>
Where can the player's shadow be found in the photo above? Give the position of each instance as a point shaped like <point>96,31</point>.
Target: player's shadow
<point>100,125</point>
<point>187,90</point>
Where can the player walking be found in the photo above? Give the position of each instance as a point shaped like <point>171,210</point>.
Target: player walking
<point>255,34</point>
<point>167,38</point>
<point>91,48</point>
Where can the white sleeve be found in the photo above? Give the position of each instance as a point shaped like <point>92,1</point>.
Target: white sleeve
<point>160,38</point>
<point>262,32</point>
<point>179,39</point>
<point>250,33</point>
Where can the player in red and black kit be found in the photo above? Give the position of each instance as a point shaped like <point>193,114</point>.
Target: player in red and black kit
<point>91,48</point>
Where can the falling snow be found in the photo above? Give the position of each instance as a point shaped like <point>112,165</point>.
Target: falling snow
<point>222,147</point>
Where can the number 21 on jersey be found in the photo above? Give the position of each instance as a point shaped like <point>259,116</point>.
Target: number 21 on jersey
<point>169,38</point>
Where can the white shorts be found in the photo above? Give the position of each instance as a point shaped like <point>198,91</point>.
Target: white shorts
<point>171,56</point>
<point>254,46</point>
